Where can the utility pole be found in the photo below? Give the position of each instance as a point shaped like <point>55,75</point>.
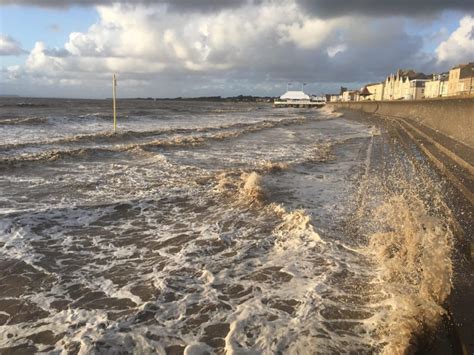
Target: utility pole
<point>114,86</point>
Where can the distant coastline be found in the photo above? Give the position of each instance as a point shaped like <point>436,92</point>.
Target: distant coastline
<point>239,98</point>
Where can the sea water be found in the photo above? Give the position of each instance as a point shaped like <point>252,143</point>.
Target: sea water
<point>213,227</point>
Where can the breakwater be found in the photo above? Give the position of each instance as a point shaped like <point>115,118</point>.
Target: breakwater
<point>451,117</point>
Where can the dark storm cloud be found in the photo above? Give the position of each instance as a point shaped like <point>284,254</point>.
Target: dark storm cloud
<point>335,8</point>
<point>320,8</point>
<point>178,5</point>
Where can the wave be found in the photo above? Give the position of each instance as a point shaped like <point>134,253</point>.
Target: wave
<point>24,121</point>
<point>414,252</point>
<point>410,238</point>
<point>99,115</point>
<point>223,132</point>
<point>331,111</point>
<point>53,155</point>
<point>103,137</point>
<point>244,188</point>
<point>252,186</point>
<point>24,104</point>
<point>295,227</point>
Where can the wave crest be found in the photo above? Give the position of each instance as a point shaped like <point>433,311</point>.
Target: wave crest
<point>413,249</point>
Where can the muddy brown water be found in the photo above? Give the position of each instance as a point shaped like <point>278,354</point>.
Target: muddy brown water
<point>214,227</point>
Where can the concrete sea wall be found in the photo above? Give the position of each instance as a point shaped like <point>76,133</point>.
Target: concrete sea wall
<point>453,117</point>
<point>443,129</point>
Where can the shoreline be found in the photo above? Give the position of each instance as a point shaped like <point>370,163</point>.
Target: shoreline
<point>454,334</point>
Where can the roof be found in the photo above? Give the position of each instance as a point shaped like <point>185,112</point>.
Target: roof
<point>372,84</point>
<point>365,92</point>
<point>410,74</point>
<point>461,66</point>
<point>294,95</point>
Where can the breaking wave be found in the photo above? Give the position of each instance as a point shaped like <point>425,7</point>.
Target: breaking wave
<point>113,137</point>
<point>207,135</point>
<point>23,121</point>
<point>413,249</point>
<point>294,226</point>
<point>246,246</point>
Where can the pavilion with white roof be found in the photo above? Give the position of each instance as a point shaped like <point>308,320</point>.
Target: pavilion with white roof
<point>294,95</point>
<point>296,99</point>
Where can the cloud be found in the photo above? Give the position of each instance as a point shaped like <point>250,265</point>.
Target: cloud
<point>309,33</point>
<point>319,8</point>
<point>459,47</point>
<point>173,5</point>
<point>149,40</point>
<point>334,50</point>
<point>9,46</point>
<point>409,8</point>
<point>254,48</point>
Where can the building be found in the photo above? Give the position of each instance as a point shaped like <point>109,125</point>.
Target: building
<point>417,89</point>
<point>438,86</point>
<point>317,98</point>
<point>294,95</point>
<point>297,99</point>
<point>399,86</point>
<point>461,80</point>
<point>363,94</point>
<point>376,91</point>
<point>350,95</point>
<point>332,97</point>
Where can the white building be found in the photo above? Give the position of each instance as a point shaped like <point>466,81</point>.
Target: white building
<point>294,96</point>
<point>376,90</point>
<point>350,95</point>
<point>438,87</point>
<point>406,85</point>
<point>417,89</point>
<point>296,99</point>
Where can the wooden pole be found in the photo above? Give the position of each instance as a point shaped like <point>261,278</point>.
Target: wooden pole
<point>114,85</point>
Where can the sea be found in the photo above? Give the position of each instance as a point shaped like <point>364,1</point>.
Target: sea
<point>214,228</point>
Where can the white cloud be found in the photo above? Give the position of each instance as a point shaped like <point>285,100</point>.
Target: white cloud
<point>256,46</point>
<point>334,50</point>
<point>459,47</point>
<point>308,33</point>
<point>39,61</point>
<point>9,46</point>
<point>149,39</point>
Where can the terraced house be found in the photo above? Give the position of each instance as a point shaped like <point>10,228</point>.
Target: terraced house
<point>461,80</point>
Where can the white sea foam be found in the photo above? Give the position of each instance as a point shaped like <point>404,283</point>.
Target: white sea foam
<point>228,239</point>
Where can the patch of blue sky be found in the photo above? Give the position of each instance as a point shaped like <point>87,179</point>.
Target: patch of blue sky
<point>434,30</point>
<point>11,60</point>
<point>52,26</point>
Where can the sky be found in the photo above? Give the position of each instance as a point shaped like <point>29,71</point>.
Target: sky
<point>170,48</point>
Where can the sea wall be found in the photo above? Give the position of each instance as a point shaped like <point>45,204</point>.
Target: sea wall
<point>453,117</point>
